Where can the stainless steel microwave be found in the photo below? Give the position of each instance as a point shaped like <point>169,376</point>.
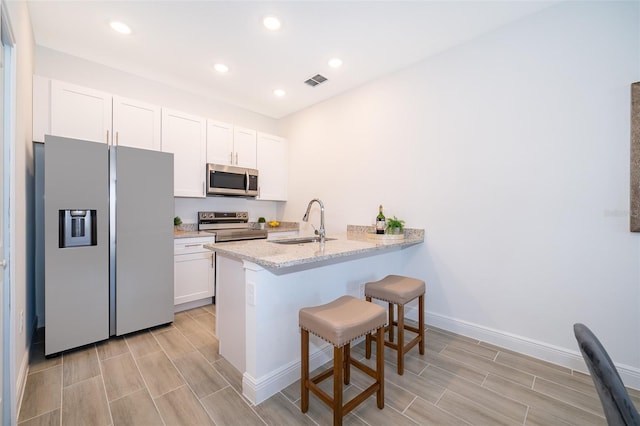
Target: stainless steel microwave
<point>231,180</point>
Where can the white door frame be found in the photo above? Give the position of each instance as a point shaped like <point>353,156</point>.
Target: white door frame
<point>9,398</point>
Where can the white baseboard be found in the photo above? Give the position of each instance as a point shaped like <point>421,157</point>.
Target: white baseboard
<point>258,390</point>
<point>192,305</point>
<point>541,350</point>
<point>21,380</point>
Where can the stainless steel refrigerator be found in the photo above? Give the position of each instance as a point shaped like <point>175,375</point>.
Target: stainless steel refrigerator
<point>108,241</point>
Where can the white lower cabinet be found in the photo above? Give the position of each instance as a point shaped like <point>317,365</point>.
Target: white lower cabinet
<point>194,271</point>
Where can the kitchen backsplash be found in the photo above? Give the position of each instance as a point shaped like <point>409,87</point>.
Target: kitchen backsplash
<point>188,208</point>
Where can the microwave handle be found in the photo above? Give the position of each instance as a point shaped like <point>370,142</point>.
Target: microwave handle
<point>246,176</point>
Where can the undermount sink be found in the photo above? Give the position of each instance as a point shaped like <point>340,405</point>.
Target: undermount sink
<point>300,240</point>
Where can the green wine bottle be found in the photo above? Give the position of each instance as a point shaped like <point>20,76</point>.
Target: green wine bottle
<point>381,222</point>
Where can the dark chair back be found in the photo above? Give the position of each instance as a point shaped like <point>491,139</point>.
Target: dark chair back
<point>616,403</point>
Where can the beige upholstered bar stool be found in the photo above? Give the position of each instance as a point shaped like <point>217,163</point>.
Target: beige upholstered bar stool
<point>340,322</point>
<point>398,290</point>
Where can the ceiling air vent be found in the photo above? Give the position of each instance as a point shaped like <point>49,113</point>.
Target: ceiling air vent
<point>315,80</point>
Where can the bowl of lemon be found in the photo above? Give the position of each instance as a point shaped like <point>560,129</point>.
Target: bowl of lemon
<point>274,224</point>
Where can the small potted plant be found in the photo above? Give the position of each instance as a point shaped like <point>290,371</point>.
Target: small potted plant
<point>261,222</point>
<point>395,226</point>
<point>176,222</point>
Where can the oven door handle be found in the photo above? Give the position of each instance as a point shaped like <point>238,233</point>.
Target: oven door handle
<point>246,181</point>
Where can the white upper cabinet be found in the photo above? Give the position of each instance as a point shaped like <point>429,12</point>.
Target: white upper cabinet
<point>136,124</point>
<point>64,109</point>
<point>80,113</point>
<point>273,158</point>
<point>185,136</point>
<point>229,145</point>
<point>244,146</point>
<point>220,143</point>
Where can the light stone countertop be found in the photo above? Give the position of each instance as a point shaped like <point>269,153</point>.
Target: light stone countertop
<point>283,258</point>
<point>191,234</point>
<point>190,230</point>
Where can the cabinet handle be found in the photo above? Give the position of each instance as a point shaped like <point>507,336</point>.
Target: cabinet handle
<point>236,158</point>
<point>192,245</point>
<point>117,138</point>
<point>107,137</point>
<point>212,260</point>
<point>231,158</point>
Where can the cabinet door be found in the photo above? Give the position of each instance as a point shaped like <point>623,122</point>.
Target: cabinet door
<point>244,146</point>
<point>273,167</point>
<point>80,113</point>
<point>184,135</point>
<point>193,277</point>
<point>136,124</point>
<point>220,143</point>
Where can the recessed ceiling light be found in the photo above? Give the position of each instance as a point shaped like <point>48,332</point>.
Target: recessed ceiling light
<point>272,23</point>
<point>221,68</point>
<point>120,27</point>
<point>335,63</point>
<point>279,93</point>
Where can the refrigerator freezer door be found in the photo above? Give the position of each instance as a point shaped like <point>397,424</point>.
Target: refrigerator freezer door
<point>76,278</point>
<point>143,239</point>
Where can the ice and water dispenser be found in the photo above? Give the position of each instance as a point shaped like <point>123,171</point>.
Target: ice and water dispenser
<point>77,228</point>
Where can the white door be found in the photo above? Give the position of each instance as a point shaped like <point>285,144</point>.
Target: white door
<point>7,97</point>
<point>3,170</point>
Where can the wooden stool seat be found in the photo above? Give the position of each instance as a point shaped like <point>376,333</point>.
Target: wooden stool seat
<point>340,322</point>
<point>398,290</point>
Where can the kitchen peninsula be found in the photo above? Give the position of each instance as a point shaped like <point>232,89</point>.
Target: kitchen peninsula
<point>261,285</point>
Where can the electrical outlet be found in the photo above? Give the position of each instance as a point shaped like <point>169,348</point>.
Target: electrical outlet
<point>361,290</point>
<point>21,320</point>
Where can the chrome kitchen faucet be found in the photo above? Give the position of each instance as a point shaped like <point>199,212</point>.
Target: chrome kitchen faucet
<point>305,218</point>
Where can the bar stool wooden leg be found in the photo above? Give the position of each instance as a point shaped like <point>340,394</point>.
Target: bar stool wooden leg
<point>400,339</point>
<point>391,322</point>
<point>380,367</point>
<point>421,325</point>
<point>304,377</point>
<point>346,365</point>
<point>367,346</point>
<point>337,385</point>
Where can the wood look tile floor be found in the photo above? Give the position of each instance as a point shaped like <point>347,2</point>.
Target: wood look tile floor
<point>173,375</point>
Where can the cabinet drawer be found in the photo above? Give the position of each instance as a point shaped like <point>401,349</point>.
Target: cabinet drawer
<point>192,245</point>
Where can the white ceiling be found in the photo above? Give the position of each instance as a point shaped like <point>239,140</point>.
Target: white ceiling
<point>177,42</point>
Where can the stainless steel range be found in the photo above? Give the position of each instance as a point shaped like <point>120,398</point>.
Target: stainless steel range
<point>229,226</point>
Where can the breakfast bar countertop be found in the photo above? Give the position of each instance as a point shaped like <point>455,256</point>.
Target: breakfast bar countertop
<point>358,241</point>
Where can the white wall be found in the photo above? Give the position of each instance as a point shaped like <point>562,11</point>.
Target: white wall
<point>22,210</point>
<point>512,151</point>
<point>58,65</point>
